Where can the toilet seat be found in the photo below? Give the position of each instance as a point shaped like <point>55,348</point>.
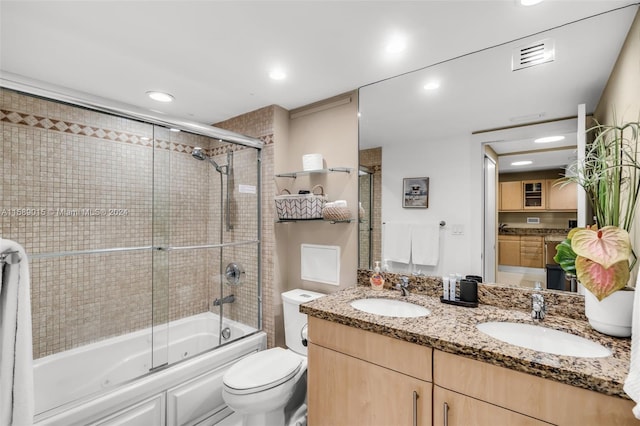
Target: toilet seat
<point>261,371</point>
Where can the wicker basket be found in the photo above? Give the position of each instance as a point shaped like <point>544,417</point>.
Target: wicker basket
<point>301,206</point>
<point>336,213</point>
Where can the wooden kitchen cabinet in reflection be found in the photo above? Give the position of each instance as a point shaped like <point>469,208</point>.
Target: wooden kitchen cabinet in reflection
<point>537,195</point>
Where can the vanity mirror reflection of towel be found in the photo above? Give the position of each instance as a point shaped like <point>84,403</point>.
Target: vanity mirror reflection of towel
<point>416,243</point>
<point>425,243</point>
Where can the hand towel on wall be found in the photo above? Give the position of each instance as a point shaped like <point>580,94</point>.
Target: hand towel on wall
<point>425,243</point>
<point>632,382</point>
<point>16,352</point>
<point>397,242</point>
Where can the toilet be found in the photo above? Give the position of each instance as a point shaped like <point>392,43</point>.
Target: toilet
<point>270,387</point>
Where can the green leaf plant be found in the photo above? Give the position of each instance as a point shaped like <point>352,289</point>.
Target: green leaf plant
<point>601,255</point>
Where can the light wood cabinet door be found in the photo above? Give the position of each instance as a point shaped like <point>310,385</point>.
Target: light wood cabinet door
<point>454,409</point>
<point>510,196</point>
<point>509,250</point>
<point>344,390</point>
<point>533,192</point>
<point>562,197</point>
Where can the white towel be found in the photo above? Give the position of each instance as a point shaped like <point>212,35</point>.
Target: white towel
<point>397,242</point>
<point>425,243</point>
<point>632,382</point>
<point>16,353</point>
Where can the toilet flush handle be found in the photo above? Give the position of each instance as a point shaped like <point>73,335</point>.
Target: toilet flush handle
<point>303,336</point>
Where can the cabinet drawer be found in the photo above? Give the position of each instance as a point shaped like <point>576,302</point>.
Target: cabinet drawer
<point>544,399</point>
<point>462,410</point>
<point>377,349</point>
<point>531,239</point>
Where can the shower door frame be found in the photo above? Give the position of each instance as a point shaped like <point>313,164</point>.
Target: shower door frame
<point>51,92</point>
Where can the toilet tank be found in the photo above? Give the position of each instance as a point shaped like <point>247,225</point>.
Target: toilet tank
<point>294,321</point>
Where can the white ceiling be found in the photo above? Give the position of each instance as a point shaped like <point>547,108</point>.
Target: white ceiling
<point>214,56</point>
<point>480,91</point>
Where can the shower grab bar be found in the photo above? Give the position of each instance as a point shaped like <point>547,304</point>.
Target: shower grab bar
<point>10,257</point>
<point>128,249</point>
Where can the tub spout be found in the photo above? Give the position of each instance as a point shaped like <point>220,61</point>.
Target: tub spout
<point>229,299</point>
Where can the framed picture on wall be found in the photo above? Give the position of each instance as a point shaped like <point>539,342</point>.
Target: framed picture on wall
<point>415,193</point>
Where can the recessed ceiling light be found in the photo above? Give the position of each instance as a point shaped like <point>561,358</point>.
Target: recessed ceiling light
<point>277,74</point>
<point>173,129</point>
<point>432,85</point>
<point>548,139</point>
<point>160,96</point>
<point>396,44</point>
<point>522,163</point>
<point>530,2</point>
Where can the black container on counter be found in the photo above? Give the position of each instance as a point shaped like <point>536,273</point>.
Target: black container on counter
<point>469,290</point>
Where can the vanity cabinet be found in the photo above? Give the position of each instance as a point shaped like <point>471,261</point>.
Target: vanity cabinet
<point>356,377</point>
<point>468,386</point>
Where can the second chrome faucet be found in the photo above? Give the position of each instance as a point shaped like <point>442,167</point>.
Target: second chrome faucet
<point>538,305</point>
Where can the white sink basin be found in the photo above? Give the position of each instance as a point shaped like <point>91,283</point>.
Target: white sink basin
<point>390,308</point>
<point>544,339</point>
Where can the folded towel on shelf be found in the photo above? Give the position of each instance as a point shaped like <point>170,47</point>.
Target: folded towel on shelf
<point>425,243</point>
<point>16,352</point>
<point>632,382</point>
<point>397,242</point>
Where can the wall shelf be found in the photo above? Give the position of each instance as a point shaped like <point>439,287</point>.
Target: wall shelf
<point>318,171</point>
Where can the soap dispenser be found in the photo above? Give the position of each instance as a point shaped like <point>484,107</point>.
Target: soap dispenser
<point>377,280</point>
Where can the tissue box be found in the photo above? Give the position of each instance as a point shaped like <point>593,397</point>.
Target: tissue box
<point>312,162</point>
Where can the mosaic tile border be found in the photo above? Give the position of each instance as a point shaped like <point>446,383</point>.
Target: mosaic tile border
<point>62,126</point>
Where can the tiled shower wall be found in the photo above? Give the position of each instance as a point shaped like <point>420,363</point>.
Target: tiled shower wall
<point>372,159</point>
<point>75,179</point>
<point>260,124</point>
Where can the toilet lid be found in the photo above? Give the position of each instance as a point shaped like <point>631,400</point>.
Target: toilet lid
<point>262,370</point>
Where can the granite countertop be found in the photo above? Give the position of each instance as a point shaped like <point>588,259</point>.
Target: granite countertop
<point>556,232</point>
<point>453,329</point>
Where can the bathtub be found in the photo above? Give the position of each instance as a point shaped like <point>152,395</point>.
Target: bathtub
<point>110,379</point>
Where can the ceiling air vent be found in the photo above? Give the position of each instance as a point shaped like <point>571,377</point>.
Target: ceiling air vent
<point>532,54</point>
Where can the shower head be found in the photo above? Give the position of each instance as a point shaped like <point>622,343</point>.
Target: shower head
<point>199,154</point>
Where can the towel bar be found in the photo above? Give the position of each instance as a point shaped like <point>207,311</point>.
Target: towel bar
<point>10,257</point>
<point>442,223</point>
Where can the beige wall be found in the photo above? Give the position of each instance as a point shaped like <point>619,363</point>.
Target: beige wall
<point>332,132</point>
<point>622,92</point>
<point>621,96</point>
<point>328,127</point>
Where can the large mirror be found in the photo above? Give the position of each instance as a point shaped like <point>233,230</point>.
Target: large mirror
<point>462,123</point>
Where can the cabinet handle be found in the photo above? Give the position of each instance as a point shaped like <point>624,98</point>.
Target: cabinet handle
<point>415,408</point>
<point>446,414</point>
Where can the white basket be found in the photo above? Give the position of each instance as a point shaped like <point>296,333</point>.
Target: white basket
<point>301,206</point>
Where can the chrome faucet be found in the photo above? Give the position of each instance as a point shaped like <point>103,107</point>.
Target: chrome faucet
<point>228,299</point>
<point>403,286</point>
<point>538,305</point>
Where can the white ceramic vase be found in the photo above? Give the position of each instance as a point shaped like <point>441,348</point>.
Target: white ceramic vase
<point>611,315</point>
